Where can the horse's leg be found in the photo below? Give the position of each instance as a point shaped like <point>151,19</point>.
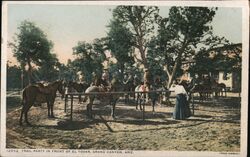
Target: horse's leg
<point>87,110</point>
<point>134,96</point>
<point>113,108</point>
<point>48,106</point>
<point>153,104</point>
<point>21,117</point>
<point>89,107</point>
<point>126,98</point>
<point>201,97</point>
<point>80,99</point>
<point>22,110</point>
<point>90,110</point>
<point>52,108</point>
<point>140,101</point>
<point>25,110</point>
<point>137,101</point>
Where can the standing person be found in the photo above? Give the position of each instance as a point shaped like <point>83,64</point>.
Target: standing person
<point>181,110</point>
<point>158,82</point>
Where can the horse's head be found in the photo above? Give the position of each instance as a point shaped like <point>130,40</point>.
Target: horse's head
<point>61,87</point>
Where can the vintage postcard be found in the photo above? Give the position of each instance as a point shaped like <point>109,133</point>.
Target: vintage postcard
<point>122,78</point>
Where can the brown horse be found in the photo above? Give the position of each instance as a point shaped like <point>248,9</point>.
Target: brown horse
<point>40,94</point>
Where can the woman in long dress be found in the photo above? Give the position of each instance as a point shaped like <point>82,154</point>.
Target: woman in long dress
<point>181,110</point>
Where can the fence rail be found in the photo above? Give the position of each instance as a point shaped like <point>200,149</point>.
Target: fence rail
<point>71,95</point>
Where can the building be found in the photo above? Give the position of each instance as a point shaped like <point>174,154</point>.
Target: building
<point>231,79</point>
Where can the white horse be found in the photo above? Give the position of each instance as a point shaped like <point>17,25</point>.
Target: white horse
<point>140,97</point>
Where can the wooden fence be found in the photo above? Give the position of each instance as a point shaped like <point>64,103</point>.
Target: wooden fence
<point>72,95</point>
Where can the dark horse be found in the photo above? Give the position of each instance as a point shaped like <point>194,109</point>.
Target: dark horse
<point>104,96</point>
<point>207,87</point>
<point>40,94</point>
<point>79,87</point>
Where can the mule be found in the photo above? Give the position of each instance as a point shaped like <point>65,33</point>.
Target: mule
<point>40,94</point>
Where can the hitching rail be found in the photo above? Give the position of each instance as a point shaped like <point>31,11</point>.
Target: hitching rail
<point>110,93</point>
<point>71,95</point>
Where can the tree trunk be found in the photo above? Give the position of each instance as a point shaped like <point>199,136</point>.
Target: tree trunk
<point>143,56</point>
<point>171,76</point>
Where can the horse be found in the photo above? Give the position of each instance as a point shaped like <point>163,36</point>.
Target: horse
<point>219,88</point>
<point>206,90</point>
<point>140,97</point>
<point>223,86</point>
<point>202,89</point>
<point>104,96</point>
<point>78,87</point>
<point>40,94</point>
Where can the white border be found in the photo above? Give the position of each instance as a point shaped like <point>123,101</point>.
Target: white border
<point>245,63</point>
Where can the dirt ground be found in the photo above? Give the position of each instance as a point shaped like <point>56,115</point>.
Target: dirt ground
<point>214,127</point>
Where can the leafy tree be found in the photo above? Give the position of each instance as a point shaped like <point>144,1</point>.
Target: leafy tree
<point>68,71</point>
<point>139,20</point>
<point>31,46</point>
<point>120,42</point>
<point>89,58</point>
<point>14,77</point>
<point>187,30</point>
<point>49,70</point>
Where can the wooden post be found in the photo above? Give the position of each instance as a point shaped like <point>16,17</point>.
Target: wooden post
<point>192,95</point>
<point>71,107</point>
<point>143,111</point>
<point>65,103</point>
<point>143,107</point>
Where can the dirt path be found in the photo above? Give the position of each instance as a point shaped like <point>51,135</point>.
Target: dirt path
<point>213,128</point>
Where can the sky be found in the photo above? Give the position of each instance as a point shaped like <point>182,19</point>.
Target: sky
<point>65,25</point>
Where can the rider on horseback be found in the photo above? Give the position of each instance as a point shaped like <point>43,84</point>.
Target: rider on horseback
<point>105,77</point>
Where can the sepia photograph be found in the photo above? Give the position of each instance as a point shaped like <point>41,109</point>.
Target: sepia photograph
<point>123,78</point>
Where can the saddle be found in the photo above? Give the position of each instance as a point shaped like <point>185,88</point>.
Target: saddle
<point>45,89</point>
